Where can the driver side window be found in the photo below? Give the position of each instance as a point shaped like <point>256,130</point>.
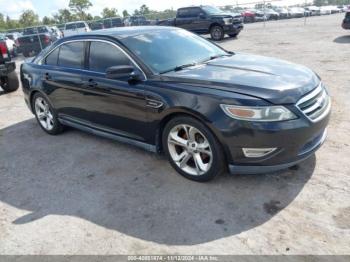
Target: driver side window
<point>104,55</point>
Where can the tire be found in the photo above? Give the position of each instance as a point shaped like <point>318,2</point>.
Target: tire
<point>217,33</point>
<point>45,113</point>
<point>10,83</point>
<point>25,53</point>
<point>199,159</point>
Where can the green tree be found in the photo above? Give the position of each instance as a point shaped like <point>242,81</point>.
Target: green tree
<point>144,10</point>
<point>79,7</point>
<point>2,22</point>
<point>48,21</point>
<point>125,13</point>
<point>109,12</point>
<point>28,18</point>
<point>63,16</point>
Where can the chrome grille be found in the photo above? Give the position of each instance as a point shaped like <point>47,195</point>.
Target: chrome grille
<point>316,104</point>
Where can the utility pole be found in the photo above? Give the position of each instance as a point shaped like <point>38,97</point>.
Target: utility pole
<point>304,12</point>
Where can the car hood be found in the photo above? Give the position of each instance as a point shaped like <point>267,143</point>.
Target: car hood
<point>274,80</point>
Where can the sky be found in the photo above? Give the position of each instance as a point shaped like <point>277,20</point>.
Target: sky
<point>13,8</point>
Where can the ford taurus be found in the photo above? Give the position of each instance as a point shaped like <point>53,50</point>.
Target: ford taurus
<point>167,90</point>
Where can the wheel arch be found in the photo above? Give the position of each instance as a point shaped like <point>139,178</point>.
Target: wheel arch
<point>181,112</point>
<point>214,24</point>
<point>31,96</point>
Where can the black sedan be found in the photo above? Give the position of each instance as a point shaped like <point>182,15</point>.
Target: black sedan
<point>167,90</point>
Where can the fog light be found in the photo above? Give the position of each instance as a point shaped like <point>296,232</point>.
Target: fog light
<point>257,152</point>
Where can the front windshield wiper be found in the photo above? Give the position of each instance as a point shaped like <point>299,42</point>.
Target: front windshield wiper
<point>213,57</point>
<point>179,68</point>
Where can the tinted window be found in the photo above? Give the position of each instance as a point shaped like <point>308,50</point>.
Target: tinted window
<point>42,29</point>
<point>71,55</point>
<point>104,55</point>
<point>70,26</point>
<point>80,25</point>
<point>195,12</point>
<point>29,31</point>
<point>52,58</point>
<point>116,22</point>
<point>183,13</point>
<point>107,23</point>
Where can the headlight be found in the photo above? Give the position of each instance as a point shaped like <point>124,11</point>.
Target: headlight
<point>228,21</point>
<point>258,113</point>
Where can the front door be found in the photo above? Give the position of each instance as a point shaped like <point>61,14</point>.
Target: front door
<point>115,105</point>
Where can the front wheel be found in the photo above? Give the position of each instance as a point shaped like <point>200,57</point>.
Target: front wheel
<point>192,149</point>
<point>217,33</point>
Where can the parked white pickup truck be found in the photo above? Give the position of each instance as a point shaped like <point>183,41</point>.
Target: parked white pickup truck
<point>74,28</point>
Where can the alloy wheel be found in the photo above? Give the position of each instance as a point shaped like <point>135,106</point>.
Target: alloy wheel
<point>44,114</point>
<point>190,150</point>
<point>217,33</point>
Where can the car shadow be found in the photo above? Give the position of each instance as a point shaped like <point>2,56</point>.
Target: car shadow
<point>134,192</point>
<point>345,39</point>
<point>224,40</point>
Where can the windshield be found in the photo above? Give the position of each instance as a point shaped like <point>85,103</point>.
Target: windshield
<point>211,10</point>
<point>165,50</point>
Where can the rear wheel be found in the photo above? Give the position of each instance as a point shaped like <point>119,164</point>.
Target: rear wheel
<point>10,82</point>
<point>217,33</point>
<point>192,149</point>
<point>46,116</point>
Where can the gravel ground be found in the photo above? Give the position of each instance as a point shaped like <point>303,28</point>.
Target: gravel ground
<point>81,194</point>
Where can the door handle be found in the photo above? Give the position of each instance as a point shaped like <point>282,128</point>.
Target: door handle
<point>91,84</point>
<point>47,76</point>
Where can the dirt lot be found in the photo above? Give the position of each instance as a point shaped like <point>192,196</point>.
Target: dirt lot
<point>80,194</point>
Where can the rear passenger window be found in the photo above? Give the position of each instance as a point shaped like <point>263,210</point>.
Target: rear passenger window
<point>80,25</point>
<point>52,58</point>
<point>183,13</point>
<point>104,55</point>
<point>195,12</point>
<point>72,55</point>
<point>70,26</point>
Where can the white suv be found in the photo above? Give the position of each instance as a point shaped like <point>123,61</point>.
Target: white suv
<point>74,28</point>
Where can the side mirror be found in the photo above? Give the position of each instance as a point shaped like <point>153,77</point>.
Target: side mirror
<point>123,71</point>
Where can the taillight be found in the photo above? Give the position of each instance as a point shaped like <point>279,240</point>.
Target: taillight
<point>46,39</point>
<point>3,50</point>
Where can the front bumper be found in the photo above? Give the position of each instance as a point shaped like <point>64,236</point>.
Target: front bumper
<point>346,25</point>
<point>248,170</point>
<point>293,140</point>
<point>233,28</point>
<point>7,68</point>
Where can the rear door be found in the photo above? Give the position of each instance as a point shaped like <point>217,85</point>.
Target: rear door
<point>184,18</point>
<point>62,80</point>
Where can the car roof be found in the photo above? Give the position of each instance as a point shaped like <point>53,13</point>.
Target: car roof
<point>75,22</point>
<point>123,32</point>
